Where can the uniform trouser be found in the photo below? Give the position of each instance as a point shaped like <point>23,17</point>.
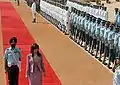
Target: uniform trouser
<point>112,55</point>
<point>13,74</point>
<point>56,23</point>
<point>77,33</point>
<point>63,27</point>
<point>71,28</point>
<point>83,36</point>
<point>34,15</point>
<point>48,17</point>
<point>90,42</point>
<point>51,19</point>
<point>97,47</point>
<point>74,31</point>
<point>38,7</point>
<point>80,35</point>
<point>18,2</point>
<point>42,13</point>
<point>106,52</point>
<point>86,40</point>
<point>117,52</point>
<point>94,42</point>
<point>27,2</point>
<point>102,48</point>
<point>59,26</point>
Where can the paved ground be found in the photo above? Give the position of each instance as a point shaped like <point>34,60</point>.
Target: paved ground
<point>72,64</point>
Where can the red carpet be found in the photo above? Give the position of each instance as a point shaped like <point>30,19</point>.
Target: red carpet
<point>12,25</point>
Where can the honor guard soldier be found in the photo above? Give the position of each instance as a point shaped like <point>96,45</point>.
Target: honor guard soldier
<point>102,47</point>
<point>111,45</point>
<point>94,40</point>
<point>97,34</point>
<point>106,50</point>
<point>83,29</point>
<point>86,30</point>
<point>80,27</point>
<point>117,49</point>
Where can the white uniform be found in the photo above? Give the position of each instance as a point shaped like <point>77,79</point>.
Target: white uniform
<point>33,8</point>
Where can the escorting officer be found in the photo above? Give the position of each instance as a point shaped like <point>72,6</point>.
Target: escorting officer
<point>12,61</point>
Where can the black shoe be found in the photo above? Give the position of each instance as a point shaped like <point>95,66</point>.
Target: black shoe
<point>78,43</point>
<point>85,47</point>
<point>100,59</point>
<point>104,63</point>
<point>66,33</point>
<point>96,56</point>
<point>75,40</point>
<point>34,20</point>
<point>109,67</point>
<point>81,44</point>
<point>18,4</point>
<point>91,52</point>
<point>70,37</point>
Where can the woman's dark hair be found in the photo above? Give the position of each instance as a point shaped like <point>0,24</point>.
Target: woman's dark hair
<point>33,47</point>
<point>13,39</point>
